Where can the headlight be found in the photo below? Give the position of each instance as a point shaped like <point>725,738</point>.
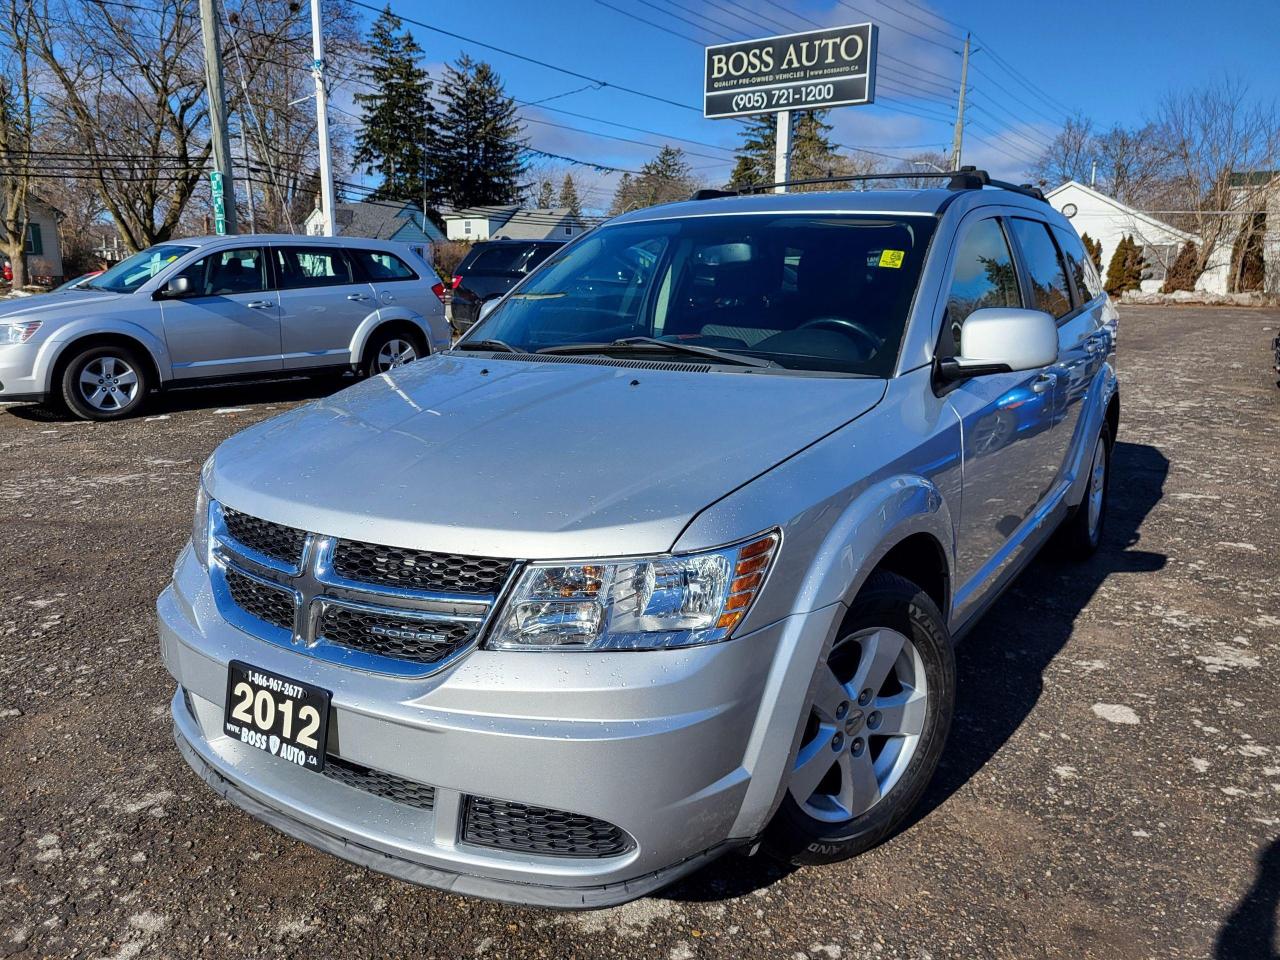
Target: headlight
<point>200,522</point>
<point>639,603</point>
<point>19,332</point>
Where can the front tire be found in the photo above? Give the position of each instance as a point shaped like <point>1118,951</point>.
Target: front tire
<point>1081,533</point>
<point>879,711</point>
<point>104,383</point>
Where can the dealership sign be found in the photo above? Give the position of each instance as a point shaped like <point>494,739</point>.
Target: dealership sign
<point>799,71</point>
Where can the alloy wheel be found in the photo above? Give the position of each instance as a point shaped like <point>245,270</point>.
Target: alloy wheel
<point>864,725</point>
<point>108,384</point>
<point>1097,487</point>
<point>395,353</point>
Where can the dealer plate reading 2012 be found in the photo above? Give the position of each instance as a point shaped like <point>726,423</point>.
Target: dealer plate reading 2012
<point>284,717</point>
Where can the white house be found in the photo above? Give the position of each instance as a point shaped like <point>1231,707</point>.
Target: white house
<point>1107,220</point>
<point>511,222</point>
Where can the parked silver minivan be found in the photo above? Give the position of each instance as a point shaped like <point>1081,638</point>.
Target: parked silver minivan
<point>665,558</point>
<point>216,309</point>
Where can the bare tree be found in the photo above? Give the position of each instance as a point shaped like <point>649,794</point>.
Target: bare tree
<point>1069,157</point>
<point>1223,149</point>
<point>1133,163</point>
<point>928,161</point>
<point>17,126</point>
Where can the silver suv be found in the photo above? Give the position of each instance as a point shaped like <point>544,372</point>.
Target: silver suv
<point>667,557</point>
<point>215,309</point>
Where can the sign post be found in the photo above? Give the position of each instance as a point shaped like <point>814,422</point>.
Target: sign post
<point>798,71</point>
<point>219,202</point>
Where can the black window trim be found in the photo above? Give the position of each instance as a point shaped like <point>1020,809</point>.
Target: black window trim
<point>1024,272</point>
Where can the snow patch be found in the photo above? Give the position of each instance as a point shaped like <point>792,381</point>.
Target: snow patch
<point>1115,713</point>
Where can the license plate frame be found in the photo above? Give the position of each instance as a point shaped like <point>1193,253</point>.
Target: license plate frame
<point>296,715</point>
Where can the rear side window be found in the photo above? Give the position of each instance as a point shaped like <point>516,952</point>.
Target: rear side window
<point>1088,284</point>
<point>227,272</point>
<point>312,267</point>
<point>984,277</point>
<point>378,265</point>
<point>1050,290</point>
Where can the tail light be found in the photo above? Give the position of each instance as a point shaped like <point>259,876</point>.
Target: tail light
<point>457,279</point>
<point>438,289</point>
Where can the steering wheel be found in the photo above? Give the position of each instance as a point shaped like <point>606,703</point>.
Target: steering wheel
<point>844,324</point>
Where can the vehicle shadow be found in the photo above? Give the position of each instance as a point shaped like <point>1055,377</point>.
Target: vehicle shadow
<point>1021,634</point>
<point>211,397</point>
<point>1250,931</point>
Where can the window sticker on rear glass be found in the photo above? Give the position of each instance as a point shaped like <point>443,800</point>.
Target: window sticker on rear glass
<point>891,258</point>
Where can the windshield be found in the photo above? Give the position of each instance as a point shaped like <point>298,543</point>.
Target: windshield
<point>128,275</point>
<point>812,292</point>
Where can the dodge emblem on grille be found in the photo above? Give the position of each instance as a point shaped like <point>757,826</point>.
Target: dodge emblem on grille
<point>396,633</point>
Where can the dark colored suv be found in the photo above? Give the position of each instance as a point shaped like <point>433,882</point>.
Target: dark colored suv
<point>491,269</point>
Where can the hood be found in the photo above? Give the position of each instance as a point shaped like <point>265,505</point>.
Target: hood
<point>528,460</point>
<point>50,306</point>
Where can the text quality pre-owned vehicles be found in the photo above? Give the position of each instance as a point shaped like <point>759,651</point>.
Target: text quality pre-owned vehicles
<point>665,558</point>
<point>490,269</point>
<point>218,308</point>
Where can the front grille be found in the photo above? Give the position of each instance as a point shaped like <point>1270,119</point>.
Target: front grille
<point>380,783</point>
<point>258,600</point>
<point>419,569</point>
<point>273,539</point>
<point>518,826</point>
<point>387,635</point>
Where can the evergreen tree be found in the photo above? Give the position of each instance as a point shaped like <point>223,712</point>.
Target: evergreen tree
<point>664,179</point>
<point>1094,249</point>
<point>546,193</point>
<point>812,153</point>
<point>482,161</point>
<point>1182,273</point>
<point>1125,270</point>
<point>397,135</point>
<point>569,196</point>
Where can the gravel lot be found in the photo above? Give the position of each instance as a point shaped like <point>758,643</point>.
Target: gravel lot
<point>1112,786</point>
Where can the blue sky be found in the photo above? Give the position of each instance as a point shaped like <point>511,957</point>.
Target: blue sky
<point>1035,61</point>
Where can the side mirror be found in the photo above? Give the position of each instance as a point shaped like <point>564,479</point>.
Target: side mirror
<point>177,287</point>
<point>486,308</point>
<point>1002,340</point>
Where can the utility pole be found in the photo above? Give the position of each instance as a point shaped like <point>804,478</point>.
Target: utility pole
<point>217,104</point>
<point>322,120</point>
<point>958,139</point>
<point>782,151</point>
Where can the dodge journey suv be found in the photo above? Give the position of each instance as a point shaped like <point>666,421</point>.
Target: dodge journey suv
<point>216,309</point>
<point>666,557</point>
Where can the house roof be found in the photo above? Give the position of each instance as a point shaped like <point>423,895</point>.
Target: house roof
<point>1252,178</point>
<point>511,221</point>
<point>1123,208</point>
<point>386,220</point>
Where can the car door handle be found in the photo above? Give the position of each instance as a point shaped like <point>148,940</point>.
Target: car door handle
<point>357,296</point>
<point>260,304</point>
<point>1043,382</point>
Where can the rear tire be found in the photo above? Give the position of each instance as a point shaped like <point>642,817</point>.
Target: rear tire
<point>390,349</point>
<point>106,382</point>
<point>871,745</point>
<point>1081,532</point>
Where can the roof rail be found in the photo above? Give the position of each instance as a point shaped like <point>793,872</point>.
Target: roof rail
<point>966,178</point>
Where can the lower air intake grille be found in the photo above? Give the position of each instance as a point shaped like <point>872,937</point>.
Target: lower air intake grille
<point>387,635</point>
<point>385,785</point>
<point>258,600</point>
<point>273,539</point>
<point>518,826</point>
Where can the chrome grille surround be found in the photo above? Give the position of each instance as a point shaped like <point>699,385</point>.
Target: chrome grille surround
<point>418,632</point>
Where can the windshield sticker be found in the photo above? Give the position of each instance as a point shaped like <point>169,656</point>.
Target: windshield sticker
<point>892,258</point>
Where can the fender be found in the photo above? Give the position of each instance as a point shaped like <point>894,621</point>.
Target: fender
<point>382,315</point>
<point>66,336</point>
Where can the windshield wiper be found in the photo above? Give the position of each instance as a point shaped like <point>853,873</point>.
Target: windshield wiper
<point>646,344</point>
<point>500,345</point>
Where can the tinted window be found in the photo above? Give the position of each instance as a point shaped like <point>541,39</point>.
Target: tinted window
<point>379,265</point>
<point>312,267</point>
<point>827,293</point>
<point>984,277</point>
<point>227,272</point>
<point>1050,290</point>
<point>1086,278</point>
<point>498,258</point>
<point>127,275</point>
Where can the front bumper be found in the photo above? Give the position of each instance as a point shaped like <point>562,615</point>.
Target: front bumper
<point>677,748</point>
<point>18,379</point>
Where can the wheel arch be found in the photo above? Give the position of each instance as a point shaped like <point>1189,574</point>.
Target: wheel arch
<point>383,319</point>
<point>70,348</point>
